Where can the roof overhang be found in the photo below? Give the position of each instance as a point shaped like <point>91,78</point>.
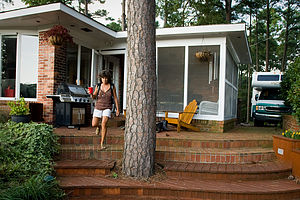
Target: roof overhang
<point>82,28</point>
<point>44,17</point>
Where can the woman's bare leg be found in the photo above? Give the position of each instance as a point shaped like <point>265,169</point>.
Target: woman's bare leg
<point>95,123</point>
<point>103,130</point>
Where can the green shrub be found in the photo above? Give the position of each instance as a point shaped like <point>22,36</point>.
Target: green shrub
<point>35,188</point>
<point>290,87</point>
<point>26,150</point>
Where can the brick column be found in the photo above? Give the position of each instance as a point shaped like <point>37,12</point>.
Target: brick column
<point>51,72</point>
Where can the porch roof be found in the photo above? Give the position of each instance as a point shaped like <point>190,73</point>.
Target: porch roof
<point>96,35</point>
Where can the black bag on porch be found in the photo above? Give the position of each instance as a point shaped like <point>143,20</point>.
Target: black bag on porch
<point>161,126</point>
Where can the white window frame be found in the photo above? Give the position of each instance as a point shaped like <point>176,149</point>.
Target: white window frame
<point>18,63</point>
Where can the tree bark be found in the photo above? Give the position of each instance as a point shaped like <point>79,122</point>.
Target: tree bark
<point>256,41</point>
<point>140,129</point>
<point>123,15</point>
<point>286,39</point>
<point>228,10</point>
<point>268,36</point>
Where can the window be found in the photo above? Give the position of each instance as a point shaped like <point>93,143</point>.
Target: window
<point>8,65</point>
<point>85,67</point>
<point>72,54</point>
<point>203,79</point>
<point>268,77</point>
<point>170,78</point>
<point>29,66</point>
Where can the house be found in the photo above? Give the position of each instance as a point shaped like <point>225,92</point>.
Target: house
<point>33,68</point>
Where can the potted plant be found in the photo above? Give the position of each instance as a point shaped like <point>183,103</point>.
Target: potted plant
<point>19,111</point>
<point>203,55</point>
<point>58,34</point>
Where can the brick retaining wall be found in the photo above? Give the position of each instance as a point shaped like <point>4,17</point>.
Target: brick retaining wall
<point>290,123</point>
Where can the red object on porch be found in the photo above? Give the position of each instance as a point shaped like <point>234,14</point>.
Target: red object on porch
<point>8,92</point>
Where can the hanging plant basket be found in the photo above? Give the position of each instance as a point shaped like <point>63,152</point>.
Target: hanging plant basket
<point>58,34</point>
<point>203,55</point>
<point>56,40</point>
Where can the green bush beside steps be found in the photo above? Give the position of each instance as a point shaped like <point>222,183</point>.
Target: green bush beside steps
<point>26,162</point>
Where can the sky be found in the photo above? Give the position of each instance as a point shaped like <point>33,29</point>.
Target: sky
<point>112,6</point>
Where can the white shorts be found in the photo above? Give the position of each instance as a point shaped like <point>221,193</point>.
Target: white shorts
<point>101,113</point>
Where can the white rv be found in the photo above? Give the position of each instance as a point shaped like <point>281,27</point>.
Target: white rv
<point>267,105</point>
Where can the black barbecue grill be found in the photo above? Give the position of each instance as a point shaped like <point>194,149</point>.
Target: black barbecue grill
<point>72,105</point>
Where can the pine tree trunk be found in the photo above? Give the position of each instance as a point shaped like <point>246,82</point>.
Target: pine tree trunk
<point>228,10</point>
<point>123,15</point>
<point>286,39</point>
<point>256,45</point>
<point>268,36</point>
<point>140,133</point>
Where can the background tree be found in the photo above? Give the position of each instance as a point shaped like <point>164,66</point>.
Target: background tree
<point>140,134</point>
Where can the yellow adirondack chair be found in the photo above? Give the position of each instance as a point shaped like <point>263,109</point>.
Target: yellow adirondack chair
<point>185,117</point>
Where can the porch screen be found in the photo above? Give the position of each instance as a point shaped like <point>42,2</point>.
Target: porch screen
<point>170,78</point>
<point>72,54</point>
<point>231,91</point>
<point>85,67</point>
<point>8,54</point>
<point>203,78</point>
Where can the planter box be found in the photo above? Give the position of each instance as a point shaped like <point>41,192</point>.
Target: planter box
<point>288,150</point>
<point>20,118</point>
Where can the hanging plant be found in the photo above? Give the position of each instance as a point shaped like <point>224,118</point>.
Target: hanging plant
<point>203,55</point>
<point>58,34</point>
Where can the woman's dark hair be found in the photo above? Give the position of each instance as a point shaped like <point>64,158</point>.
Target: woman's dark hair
<point>105,74</point>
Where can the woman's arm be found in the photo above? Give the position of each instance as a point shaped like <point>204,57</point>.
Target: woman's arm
<point>94,95</point>
<point>116,101</point>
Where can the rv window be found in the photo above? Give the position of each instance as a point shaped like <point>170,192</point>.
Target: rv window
<point>281,78</point>
<point>268,77</point>
<point>270,94</point>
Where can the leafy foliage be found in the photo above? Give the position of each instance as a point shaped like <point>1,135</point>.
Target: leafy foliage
<point>26,150</point>
<point>291,134</point>
<point>18,107</point>
<point>114,26</point>
<point>61,31</point>
<point>290,87</point>
<point>35,188</point>
<point>43,2</point>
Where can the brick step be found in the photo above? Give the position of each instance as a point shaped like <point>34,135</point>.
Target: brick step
<point>183,187</point>
<point>171,142</point>
<point>214,171</point>
<point>180,154</point>
<point>83,167</point>
<point>127,197</point>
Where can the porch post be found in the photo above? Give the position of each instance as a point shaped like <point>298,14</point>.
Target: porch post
<point>222,80</point>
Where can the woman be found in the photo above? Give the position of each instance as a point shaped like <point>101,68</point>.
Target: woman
<point>103,108</point>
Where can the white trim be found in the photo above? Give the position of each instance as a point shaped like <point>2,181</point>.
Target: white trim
<point>194,30</point>
<point>113,52</point>
<point>78,64</point>
<point>18,66</point>
<point>125,81</point>
<point>221,110</point>
<point>232,51</point>
<point>231,85</point>
<point>93,68</point>
<point>186,76</point>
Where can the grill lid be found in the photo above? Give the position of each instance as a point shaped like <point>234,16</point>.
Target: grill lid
<point>72,90</point>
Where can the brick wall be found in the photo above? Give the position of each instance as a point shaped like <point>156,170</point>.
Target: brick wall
<point>214,126</point>
<point>51,72</point>
<point>290,123</point>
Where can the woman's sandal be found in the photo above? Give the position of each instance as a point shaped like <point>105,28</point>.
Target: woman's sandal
<point>103,147</point>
